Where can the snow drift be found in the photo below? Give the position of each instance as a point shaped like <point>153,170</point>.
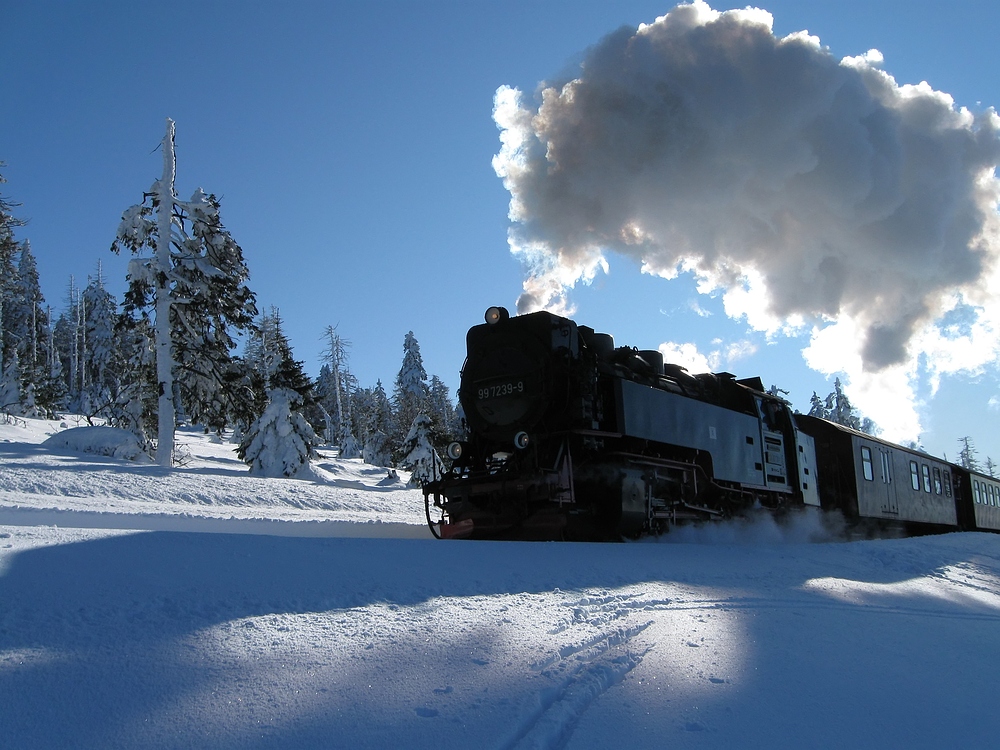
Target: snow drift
<point>101,441</point>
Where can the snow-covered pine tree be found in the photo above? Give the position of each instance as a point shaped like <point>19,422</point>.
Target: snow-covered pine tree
<point>419,455</point>
<point>27,315</point>
<point>410,394</point>
<point>102,360</point>
<point>374,418</point>
<point>442,409</point>
<point>194,283</point>
<point>280,440</point>
<point>337,392</point>
<point>30,324</point>
<point>323,391</point>
<point>446,426</point>
<point>817,408</point>
<point>269,353</point>
<point>967,455</point>
<point>52,391</point>
<point>837,408</point>
<point>64,337</point>
<point>841,409</point>
<point>361,409</point>
<point>135,405</point>
<point>8,273</point>
<point>376,450</point>
<point>10,385</point>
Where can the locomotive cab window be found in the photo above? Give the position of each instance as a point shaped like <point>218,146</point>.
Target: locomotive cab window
<point>866,463</point>
<point>914,475</point>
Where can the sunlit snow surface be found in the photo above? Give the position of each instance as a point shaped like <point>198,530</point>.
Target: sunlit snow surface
<point>740,638</point>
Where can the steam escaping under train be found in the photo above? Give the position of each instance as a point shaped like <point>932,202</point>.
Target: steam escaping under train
<point>571,437</point>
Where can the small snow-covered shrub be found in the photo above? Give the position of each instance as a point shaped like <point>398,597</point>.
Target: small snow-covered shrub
<point>100,441</point>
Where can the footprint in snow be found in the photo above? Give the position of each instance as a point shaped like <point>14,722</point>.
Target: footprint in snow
<point>427,713</point>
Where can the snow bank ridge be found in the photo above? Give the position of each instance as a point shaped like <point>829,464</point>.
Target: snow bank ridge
<point>101,441</point>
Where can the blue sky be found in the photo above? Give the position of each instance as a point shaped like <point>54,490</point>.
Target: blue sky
<point>351,144</point>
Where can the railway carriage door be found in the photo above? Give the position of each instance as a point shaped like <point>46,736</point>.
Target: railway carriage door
<point>889,501</point>
<point>775,463</point>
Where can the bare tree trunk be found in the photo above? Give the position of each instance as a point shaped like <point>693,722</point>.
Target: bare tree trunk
<point>166,417</point>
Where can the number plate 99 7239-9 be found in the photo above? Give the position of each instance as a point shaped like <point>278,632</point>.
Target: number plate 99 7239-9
<point>496,390</point>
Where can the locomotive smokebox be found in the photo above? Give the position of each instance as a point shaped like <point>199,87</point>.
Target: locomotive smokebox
<point>514,376</point>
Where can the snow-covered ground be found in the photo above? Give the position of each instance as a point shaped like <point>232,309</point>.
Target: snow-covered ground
<point>212,483</point>
<point>744,637</point>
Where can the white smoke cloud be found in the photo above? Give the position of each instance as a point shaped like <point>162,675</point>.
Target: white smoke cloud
<point>816,194</point>
<point>686,355</point>
<point>689,357</point>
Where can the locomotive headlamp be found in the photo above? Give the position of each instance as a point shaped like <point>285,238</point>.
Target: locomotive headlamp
<point>455,451</point>
<point>521,440</point>
<point>495,314</point>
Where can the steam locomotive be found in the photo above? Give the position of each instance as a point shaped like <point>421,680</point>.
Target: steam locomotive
<point>571,437</point>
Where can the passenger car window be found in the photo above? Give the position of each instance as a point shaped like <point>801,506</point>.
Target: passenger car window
<point>937,481</point>
<point>947,483</point>
<point>914,475</point>
<point>927,477</point>
<point>866,463</point>
<point>975,490</point>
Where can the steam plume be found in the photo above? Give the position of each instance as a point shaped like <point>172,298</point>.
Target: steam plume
<point>811,191</point>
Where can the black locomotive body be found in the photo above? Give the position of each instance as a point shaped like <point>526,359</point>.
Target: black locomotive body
<point>571,437</point>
